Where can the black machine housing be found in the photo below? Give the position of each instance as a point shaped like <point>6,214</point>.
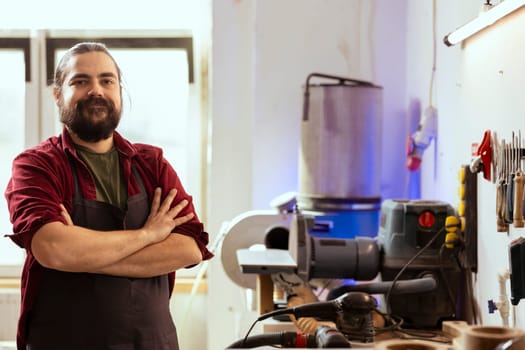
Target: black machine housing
<point>403,233</point>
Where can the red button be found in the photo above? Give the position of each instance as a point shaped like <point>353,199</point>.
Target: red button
<point>426,219</point>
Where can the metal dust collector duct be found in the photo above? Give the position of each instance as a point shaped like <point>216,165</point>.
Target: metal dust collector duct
<point>340,152</point>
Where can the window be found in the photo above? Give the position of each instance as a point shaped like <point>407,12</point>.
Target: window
<point>159,117</point>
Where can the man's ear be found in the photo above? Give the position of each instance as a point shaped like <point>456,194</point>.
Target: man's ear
<point>56,94</point>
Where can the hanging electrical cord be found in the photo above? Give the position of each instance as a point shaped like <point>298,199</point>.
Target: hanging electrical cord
<point>419,141</point>
<point>432,78</point>
<point>434,54</point>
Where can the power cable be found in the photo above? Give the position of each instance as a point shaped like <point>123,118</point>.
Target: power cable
<point>398,275</point>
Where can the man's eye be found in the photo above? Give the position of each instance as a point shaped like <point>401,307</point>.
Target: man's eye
<point>79,82</point>
<point>108,82</point>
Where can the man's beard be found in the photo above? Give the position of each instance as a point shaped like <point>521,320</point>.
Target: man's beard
<point>82,118</point>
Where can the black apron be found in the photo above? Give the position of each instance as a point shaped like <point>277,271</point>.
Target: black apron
<point>84,311</point>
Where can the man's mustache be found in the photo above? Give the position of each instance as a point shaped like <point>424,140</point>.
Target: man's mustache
<point>94,101</point>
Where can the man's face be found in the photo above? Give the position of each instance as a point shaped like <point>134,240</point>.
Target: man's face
<point>90,102</point>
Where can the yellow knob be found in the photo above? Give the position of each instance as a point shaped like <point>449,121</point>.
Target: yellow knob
<point>450,239</point>
<point>451,223</point>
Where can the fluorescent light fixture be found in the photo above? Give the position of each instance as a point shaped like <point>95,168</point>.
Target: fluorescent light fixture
<point>484,20</point>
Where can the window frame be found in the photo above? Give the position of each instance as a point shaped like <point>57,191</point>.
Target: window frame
<point>185,43</point>
<point>23,44</point>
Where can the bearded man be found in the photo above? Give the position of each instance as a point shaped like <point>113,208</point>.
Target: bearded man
<point>105,223</point>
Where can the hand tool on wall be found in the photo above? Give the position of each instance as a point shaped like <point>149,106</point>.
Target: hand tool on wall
<point>504,176</point>
<point>519,182</point>
<point>509,196</point>
<point>483,157</point>
<point>500,163</point>
<point>494,146</point>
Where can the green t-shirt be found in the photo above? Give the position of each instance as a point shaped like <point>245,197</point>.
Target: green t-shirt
<point>109,182</point>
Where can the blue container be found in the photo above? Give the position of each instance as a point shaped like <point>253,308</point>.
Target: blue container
<point>346,224</point>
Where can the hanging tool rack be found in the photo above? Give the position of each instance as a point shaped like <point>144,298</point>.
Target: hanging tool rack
<point>509,179</point>
<point>501,162</point>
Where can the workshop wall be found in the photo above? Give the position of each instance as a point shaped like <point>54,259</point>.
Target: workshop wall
<point>479,86</point>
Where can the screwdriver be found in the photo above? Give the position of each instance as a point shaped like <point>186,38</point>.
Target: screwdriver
<point>502,226</point>
<point>509,195</point>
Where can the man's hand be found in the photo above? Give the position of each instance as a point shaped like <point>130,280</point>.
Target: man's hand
<point>162,220</point>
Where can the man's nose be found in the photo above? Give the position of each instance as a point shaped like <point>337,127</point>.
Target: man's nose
<point>96,90</point>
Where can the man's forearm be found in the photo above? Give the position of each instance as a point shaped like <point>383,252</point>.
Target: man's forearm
<point>175,252</point>
<point>77,249</point>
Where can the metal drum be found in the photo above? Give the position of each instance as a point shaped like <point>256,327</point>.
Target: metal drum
<point>340,151</point>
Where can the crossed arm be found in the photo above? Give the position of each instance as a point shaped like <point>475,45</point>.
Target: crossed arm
<point>149,251</point>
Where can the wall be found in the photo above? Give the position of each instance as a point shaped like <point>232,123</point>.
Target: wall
<point>478,88</point>
<point>189,314</point>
